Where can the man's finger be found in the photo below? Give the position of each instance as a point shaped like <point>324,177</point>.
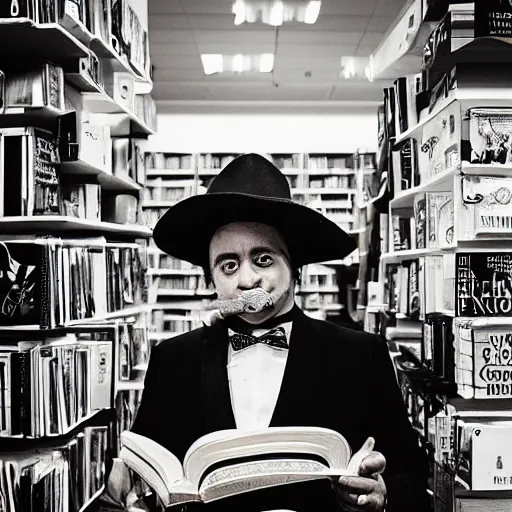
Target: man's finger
<point>374,464</point>
<point>357,484</point>
<point>358,457</point>
<point>346,496</point>
<point>372,501</point>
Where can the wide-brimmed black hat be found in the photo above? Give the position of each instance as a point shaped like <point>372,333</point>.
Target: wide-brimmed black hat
<point>249,189</point>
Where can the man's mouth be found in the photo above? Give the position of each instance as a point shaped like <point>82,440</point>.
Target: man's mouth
<point>250,301</point>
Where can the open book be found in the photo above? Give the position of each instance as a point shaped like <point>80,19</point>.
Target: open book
<point>230,462</point>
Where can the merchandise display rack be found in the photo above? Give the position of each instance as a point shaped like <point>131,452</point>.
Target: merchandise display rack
<point>440,293</point>
<point>74,319</point>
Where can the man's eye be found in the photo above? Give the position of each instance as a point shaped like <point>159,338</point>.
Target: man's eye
<point>264,260</point>
<point>228,267</point>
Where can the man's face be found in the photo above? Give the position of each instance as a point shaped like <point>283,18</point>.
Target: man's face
<point>246,255</point>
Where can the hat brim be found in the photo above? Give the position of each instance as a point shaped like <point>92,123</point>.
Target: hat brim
<point>186,229</point>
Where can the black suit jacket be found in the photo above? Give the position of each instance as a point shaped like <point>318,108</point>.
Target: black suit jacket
<point>334,378</point>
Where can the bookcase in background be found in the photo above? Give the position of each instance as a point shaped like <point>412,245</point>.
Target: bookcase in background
<point>442,295</point>
<point>75,103</point>
<point>326,182</point>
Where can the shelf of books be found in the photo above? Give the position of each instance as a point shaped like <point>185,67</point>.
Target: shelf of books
<point>440,284</point>
<point>323,181</point>
<point>353,278</point>
<point>75,103</point>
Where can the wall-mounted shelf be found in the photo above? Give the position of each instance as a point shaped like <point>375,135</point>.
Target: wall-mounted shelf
<point>48,224</point>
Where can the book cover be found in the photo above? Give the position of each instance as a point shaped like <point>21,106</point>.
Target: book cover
<point>483,284</point>
<point>486,208</point>
<point>21,294</point>
<point>493,18</point>
<point>488,131</point>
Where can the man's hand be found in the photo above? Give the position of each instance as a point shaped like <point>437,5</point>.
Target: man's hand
<point>367,491</point>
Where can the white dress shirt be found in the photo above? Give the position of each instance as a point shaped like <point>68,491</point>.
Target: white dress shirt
<point>255,375</point>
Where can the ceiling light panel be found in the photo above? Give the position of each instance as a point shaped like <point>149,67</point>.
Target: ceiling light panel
<point>214,63</point>
<point>275,12</point>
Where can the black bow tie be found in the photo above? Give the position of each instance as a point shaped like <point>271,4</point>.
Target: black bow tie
<point>274,338</point>
<point>237,324</point>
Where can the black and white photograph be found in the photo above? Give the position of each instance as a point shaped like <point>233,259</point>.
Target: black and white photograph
<point>255,256</point>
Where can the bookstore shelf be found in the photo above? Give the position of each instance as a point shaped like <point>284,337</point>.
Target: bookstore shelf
<point>184,293</point>
<point>83,82</point>
<point>392,333</point>
<point>323,191</point>
<point>333,307</point>
<point>440,292</point>
<point>174,272</point>
<point>155,203</point>
<point>102,103</point>
<point>101,49</point>
<point>336,263</point>
<point>106,180</point>
<point>468,97</point>
<point>170,172</point>
<point>50,42</point>
<point>477,406</point>
<point>319,289</point>
<point>440,182</point>
<point>44,224</point>
<point>444,181</point>
<point>74,157</point>
<point>46,112</point>
<point>399,256</point>
<point>330,172</point>
<point>177,317</point>
<point>291,172</point>
<point>182,305</point>
<point>122,313</point>
<point>80,423</point>
<point>18,447</point>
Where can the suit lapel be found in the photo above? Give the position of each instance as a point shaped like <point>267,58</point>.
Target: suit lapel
<point>296,403</point>
<point>216,398</point>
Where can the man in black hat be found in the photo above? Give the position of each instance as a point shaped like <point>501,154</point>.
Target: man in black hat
<point>277,367</point>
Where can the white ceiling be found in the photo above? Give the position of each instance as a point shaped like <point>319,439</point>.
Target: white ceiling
<point>180,30</point>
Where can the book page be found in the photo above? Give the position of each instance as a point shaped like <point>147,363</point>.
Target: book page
<point>245,477</point>
<point>321,443</point>
<point>154,455</point>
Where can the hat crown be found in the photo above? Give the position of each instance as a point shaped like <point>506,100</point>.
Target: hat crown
<point>251,174</point>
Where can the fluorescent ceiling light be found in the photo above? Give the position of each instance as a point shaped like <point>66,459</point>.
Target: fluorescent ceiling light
<point>348,67</point>
<point>355,68</point>
<point>266,62</point>
<point>212,63</point>
<point>239,10</point>
<point>277,14</point>
<point>312,12</point>
<point>239,63</point>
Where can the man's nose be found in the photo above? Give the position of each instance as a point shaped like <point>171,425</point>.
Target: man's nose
<point>248,277</point>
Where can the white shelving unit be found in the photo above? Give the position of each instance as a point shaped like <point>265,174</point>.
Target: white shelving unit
<point>426,281</point>
<point>70,283</point>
